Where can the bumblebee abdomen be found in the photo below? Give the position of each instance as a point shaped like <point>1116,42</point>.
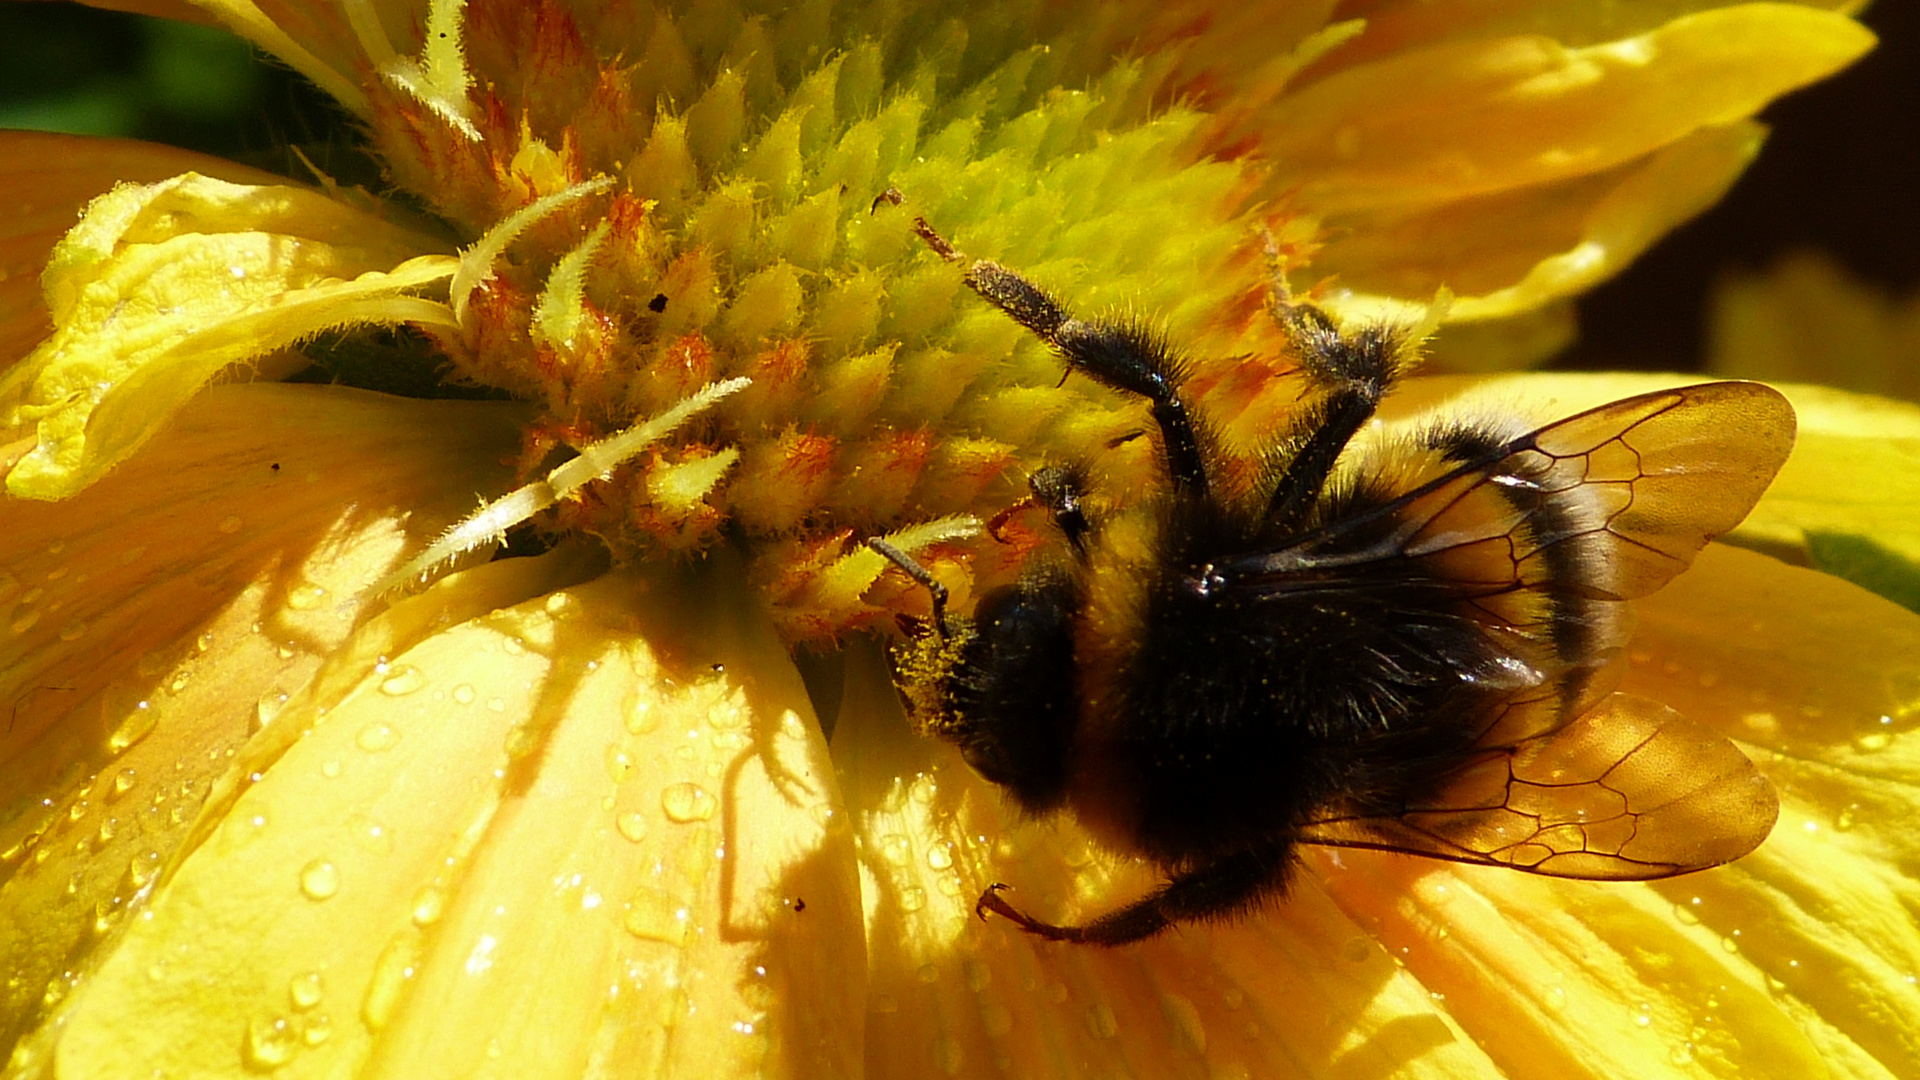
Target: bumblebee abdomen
<point>1237,721</point>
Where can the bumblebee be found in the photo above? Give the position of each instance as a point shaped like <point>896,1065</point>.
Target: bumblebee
<point>1409,645</point>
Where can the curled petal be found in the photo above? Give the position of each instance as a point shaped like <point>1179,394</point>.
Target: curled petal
<point>162,286</point>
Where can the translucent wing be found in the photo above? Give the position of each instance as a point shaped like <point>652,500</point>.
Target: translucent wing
<point>1538,539</point>
<point>1630,790</point>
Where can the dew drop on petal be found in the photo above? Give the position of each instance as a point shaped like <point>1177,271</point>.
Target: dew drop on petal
<point>137,725</point>
<point>404,679</point>
<point>319,880</point>
<point>317,1030</point>
<point>687,802</point>
<point>428,905</point>
<point>464,693</point>
<point>305,990</point>
<point>306,596</point>
<point>376,737</point>
<point>1101,1023</point>
<point>656,916</point>
<point>632,825</point>
<point>396,965</point>
<point>271,1042</point>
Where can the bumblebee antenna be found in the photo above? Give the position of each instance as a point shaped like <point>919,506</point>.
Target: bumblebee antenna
<point>936,592</point>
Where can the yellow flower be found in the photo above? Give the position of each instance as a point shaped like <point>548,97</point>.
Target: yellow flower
<point>577,812</point>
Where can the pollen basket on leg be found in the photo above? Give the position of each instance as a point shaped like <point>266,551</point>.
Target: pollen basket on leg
<point>705,178</point>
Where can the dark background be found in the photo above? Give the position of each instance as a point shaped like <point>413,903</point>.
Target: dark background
<point>1841,173</point>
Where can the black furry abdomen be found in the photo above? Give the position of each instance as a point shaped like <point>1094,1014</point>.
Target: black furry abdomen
<point>1244,717</point>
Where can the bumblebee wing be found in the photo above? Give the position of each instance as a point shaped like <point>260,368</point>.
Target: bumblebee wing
<point>1538,539</point>
<point>1628,791</point>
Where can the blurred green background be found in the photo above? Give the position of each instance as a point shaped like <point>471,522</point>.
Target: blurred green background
<point>1841,174</point>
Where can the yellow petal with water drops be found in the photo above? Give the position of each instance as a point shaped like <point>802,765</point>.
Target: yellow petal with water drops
<point>593,832</point>
<point>45,181</point>
<point>161,287</point>
<point>1821,682</point>
<point>1574,979</point>
<point>155,621</point>
<point>1513,251</point>
<point>1461,119</point>
<point>1297,989</point>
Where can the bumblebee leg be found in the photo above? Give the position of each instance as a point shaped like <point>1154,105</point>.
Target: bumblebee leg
<point>1225,887</point>
<point>1123,357</point>
<point>936,592</point>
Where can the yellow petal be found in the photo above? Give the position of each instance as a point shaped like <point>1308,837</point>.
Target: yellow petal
<point>1510,252</point>
<point>1808,319</point>
<point>1300,986</point>
<point>153,622</point>
<point>45,181</point>
<point>1823,680</point>
<point>1468,118</point>
<point>592,831</point>
<point>160,287</point>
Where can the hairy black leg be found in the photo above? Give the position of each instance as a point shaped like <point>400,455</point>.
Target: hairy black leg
<point>1349,372</point>
<point>936,592</point>
<point>1120,356</point>
<point>1225,887</point>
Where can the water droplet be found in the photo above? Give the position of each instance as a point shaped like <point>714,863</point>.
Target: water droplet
<point>640,717</point>
<point>305,990</point>
<point>1555,999</point>
<point>947,1055</point>
<point>619,764</point>
<point>317,1030</point>
<point>140,869</point>
<point>376,737</point>
<point>654,915</point>
<point>912,899</point>
<point>405,680</point>
<point>1101,1023</point>
<point>1846,818</point>
<point>1643,1016</point>
<point>24,622</point>
<point>330,769</point>
<point>428,905</point>
<point>306,596</point>
<point>939,857</point>
<point>230,524</point>
<point>319,880</point>
<point>895,848</point>
<point>73,631</point>
<point>463,693</point>
<point>391,972</point>
<point>633,826</point>
<point>1184,1017</point>
<point>137,725</point>
<point>122,783</point>
<point>512,646</point>
<point>271,1043</point>
<point>1868,742</point>
<point>497,704</point>
<point>687,802</point>
<point>1681,1054</point>
<point>178,684</point>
